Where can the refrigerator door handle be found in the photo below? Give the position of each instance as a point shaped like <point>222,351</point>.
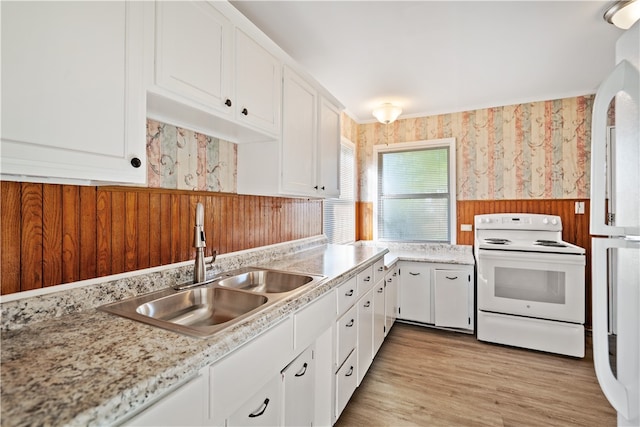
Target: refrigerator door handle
<point>614,390</point>
<point>625,78</point>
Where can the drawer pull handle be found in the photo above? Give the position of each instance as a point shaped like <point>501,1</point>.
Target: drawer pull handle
<point>390,280</point>
<point>451,278</point>
<point>227,103</point>
<point>350,324</point>
<point>245,112</point>
<point>380,268</point>
<point>414,274</point>
<point>349,294</point>
<point>260,410</point>
<point>380,290</point>
<point>348,374</point>
<point>302,371</point>
<point>366,279</point>
<point>367,304</point>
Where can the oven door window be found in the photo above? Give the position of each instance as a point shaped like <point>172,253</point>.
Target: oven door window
<point>530,285</point>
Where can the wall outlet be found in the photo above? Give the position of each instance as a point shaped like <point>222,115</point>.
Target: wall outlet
<point>466,227</point>
<point>580,208</point>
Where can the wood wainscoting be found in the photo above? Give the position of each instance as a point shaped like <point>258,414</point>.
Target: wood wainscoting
<point>53,234</point>
<point>575,227</point>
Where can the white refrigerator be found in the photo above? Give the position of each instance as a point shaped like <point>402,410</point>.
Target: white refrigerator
<point>615,230</point>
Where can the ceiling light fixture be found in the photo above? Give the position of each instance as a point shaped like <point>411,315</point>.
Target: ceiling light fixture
<point>387,113</point>
<point>623,13</point>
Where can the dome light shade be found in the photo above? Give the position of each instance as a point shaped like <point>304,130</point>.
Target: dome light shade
<point>623,13</point>
<point>387,113</point>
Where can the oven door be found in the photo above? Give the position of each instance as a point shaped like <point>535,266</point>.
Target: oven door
<point>545,286</point>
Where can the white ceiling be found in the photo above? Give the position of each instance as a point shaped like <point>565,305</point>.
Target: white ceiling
<point>434,57</point>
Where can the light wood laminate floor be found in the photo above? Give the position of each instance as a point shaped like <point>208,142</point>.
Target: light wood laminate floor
<point>429,377</point>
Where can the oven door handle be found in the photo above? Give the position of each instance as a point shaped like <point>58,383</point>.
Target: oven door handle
<point>615,391</point>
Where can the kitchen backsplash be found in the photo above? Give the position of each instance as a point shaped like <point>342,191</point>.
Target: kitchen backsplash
<point>182,159</point>
<point>538,150</point>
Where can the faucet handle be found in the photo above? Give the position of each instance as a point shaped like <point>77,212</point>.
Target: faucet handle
<point>213,257</point>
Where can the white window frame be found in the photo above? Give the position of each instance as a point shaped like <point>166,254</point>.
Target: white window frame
<point>417,145</point>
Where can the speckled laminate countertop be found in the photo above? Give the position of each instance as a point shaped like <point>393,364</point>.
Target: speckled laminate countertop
<point>424,252</point>
<point>88,367</point>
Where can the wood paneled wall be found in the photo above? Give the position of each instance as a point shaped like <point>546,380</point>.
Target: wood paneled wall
<point>53,234</point>
<point>575,228</point>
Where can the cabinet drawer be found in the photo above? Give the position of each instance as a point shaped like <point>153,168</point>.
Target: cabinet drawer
<point>347,295</point>
<point>312,320</point>
<point>378,270</point>
<point>365,280</point>
<point>261,409</point>
<point>241,372</point>
<point>346,334</point>
<point>345,383</point>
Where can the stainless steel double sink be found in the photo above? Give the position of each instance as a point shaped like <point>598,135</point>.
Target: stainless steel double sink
<point>219,303</point>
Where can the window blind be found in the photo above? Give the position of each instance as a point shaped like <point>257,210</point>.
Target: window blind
<point>339,219</point>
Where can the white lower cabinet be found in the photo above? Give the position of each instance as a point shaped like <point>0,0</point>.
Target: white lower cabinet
<point>453,290</point>
<point>390,299</point>
<point>365,334</point>
<point>264,408</point>
<point>185,406</point>
<point>346,382</point>
<point>379,315</point>
<point>299,390</point>
<point>437,294</point>
<point>415,292</point>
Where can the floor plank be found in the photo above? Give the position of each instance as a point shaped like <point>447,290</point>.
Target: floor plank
<point>424,376</point>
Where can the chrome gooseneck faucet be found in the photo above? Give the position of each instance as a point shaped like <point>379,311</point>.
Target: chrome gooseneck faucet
<point>199,242</point>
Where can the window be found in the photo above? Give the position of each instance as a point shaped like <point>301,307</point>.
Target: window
<point>339,219</point>
<point>416,191</point>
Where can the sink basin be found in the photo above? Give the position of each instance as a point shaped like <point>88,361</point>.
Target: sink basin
<point>202,306</point>
<point>266,281</point>
<point>203,309</point>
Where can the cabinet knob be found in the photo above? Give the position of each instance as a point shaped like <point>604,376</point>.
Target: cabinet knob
<point>136,162</point>
<point>315,187</point>
<point>245,112</point>
<point>322,188</point>
<point>227,103</point>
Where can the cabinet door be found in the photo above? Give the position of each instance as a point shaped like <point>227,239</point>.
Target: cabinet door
<point>261,409</point>
<point>451,292</point>
<point>391,299</point>
<point>299,134</point>
<point>329,150</point>
<point>415,292</point>
<point>258,82</point>
<point>193,52</point>
<point>378,316</point>
<point>299,387</point>
<point>73,100</point>
<point>365,334</point>
<point>185,406</point>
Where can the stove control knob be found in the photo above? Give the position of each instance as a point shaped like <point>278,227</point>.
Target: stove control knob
<point>554,221</point>
<point>545,221</point>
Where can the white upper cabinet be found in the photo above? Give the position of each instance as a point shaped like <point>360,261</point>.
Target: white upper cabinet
<point>305,161</point>
<point>328,180</point>
<point>193,53</point>
<point>258,84</point>
<point>299,131</point>
<point>72,91</point>
<point>210,75</point>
